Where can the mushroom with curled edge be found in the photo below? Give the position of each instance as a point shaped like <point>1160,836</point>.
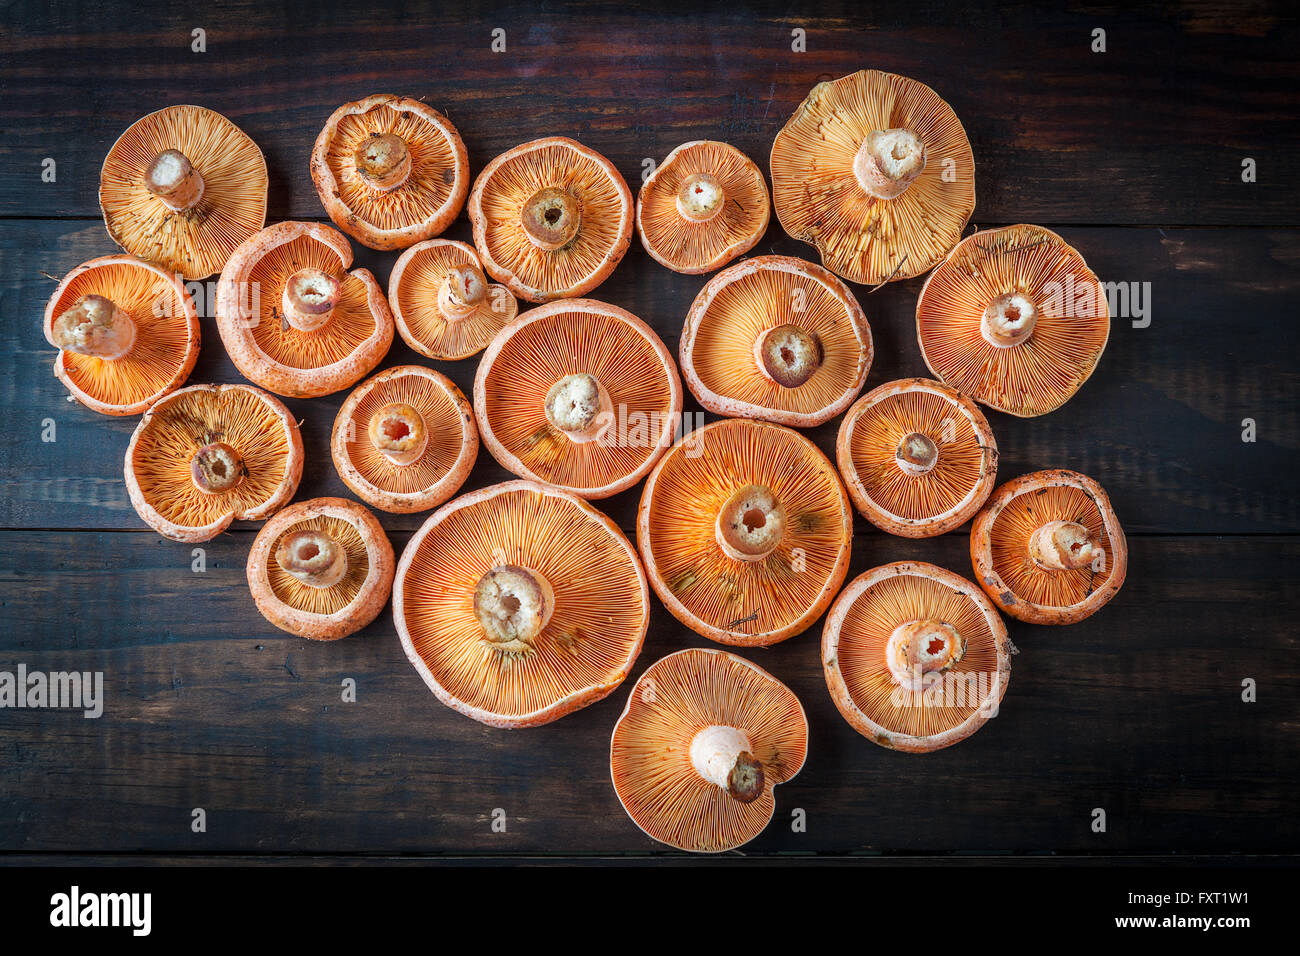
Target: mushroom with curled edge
<point>1048,549</point>
<point>875,170</point>
<point>697,753</point>
<point>916,658</point>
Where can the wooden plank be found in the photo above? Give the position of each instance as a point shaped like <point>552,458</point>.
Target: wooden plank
<point>1159,424</point>
<point>1154,130</point>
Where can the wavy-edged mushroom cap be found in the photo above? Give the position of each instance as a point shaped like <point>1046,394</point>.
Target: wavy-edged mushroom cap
<point>183,187</point>
<point>208,455</point>
<point>706,204</point>
<point>443,304</point>
<point>551,218</point>
<point>519,603</point>
<point>745,530</point>
<point>293,319</point>
<point>126,331</point>
<point>1048,549</point>
<point>916,658</point>
<point>918,457</point>
<point>405,439</point>
<point>776,338</point>
<point>321,569</point>
<point>875,170</point>
<point>579,394</point>
<point>390,171</point>
<point>705,738</point>
<point>1014,318</point>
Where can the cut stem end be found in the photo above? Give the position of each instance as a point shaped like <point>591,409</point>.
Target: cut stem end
<point>888,161</point>
<point>95,326</point>
<point>397,431</point>
<point>513,605</point>
<point>750,524</point>
<point>313,557</point>
<point>174,180</point>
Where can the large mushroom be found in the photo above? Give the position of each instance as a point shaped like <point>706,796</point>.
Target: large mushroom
<point>126,331</point>
<point>551,218</point>
<point>390,171</point>
<point>519,603</point>
<point>745,532</point>
<point>875,170</point>
<point>293,319</point>
<point>183,187</point>
<point>776,338</point>
<point>705,738</point>
<point>1014,318</point>
<point>916,658</point>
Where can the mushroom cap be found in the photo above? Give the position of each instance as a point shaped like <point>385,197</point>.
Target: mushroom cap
<point>1073,319</point>
<point>413,290</point>
<point>818,198</point>
<point>576,336</point>
<point>649,754</point>
<point>194,243</point>
<point>157,468</point>
<point>691,247</point>
<point>447,458</point>
<point>167,335</point>
<point>999,547</point>
<point>424,205</point>
<point>601,603</point>
<point>272,353</point>
<point>945,496</point>
<point>745,300</point>
<point>323,614</point>
<point>506,184</point>
<point>854,640</point>
<point>744,603</point>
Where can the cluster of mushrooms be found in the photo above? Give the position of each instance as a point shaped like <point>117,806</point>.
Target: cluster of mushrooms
<point>522,602</point>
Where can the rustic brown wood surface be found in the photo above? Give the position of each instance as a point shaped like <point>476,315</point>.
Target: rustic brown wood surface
<point>1134,156</point>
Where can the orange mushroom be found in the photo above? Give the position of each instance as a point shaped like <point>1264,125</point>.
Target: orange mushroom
<point>390,171</point>
<point>875,170</point>
<point>745,532</point>
<point>1048,549</point>
<point>519,603</point>
<point>321,569</point>
<point>1014,318</point>
<point>293,319</point>
<point>443,305</point>
<point>126,331</point>
<point>776,338</point>
<point>704,206</point>
<point>208,455</point>
<point>183,187</point>
<point>916,658</point>
<point>405,439</point>
<point>579,394</point>
<point>705,738</point>
<point>551,218</point>
<point>917,456</point>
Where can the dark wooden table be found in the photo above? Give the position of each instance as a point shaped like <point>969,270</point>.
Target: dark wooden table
<point>1134,155</point>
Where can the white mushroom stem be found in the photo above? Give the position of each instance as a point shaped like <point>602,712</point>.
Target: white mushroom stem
<point>750,524</point>
<point>513,605</point>
<point>216,468</point>
<point>700,197</point>
<point>916,454</point>
<point>551,218</point>
<point>1063,546</point>
<point>724,756</point>
<point>787,355</point>
<point>397,431</point>
<point>888,161</point>
<point>309,299</point>
<point>1008,320</point>
<point>313,557</point>
<point>580,407</point>
<point>462,292</point>
<point>918,652</point>
<point>383,161</point>
<point>95,326</point>
<point>174,180</point>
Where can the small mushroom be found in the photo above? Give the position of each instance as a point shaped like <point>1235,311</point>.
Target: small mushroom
<point>127,334</point>
<point>776,338</point>
<point>703,206</point>
<point>390,171</point>
<point>182,188</point>
<point>875,170</point>
<point>705,738</point>
<point>918,457</point>
<point>745,531</point>
<point>1014,318</point>
<point>916,658</point>
<point>519,603</point>
<point>1048,549</point>
<point>551,218</point>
